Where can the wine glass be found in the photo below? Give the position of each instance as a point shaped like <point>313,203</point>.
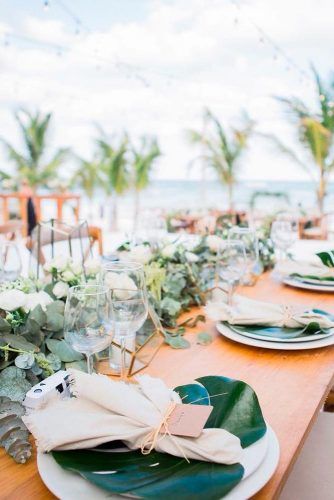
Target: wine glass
<point>129,277</point>
<point>88,320</point>
<point>10,261</point>
<point>283,234</point>
<point>231,265</point>
<point>249,238</point>
<point>129,312</point>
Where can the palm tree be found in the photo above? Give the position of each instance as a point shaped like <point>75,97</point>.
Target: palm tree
<point>222,150</point>
<point>88,176</point>
<point>315,132</point>
<point>144,158</point>
<point>115,167</point>
<point>31,164</point>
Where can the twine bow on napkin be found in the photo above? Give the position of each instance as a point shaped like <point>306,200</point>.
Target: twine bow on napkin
<point>151,439</point>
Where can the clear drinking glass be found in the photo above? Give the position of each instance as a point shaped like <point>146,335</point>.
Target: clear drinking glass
<point>10,261</point>
<point>283,234</point>
<point>129,277</point>
<point>249,239</point>
<point>231,265</point>
<point>88,320</point>
<point>129,312</point>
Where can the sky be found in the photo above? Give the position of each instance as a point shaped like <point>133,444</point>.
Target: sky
<point>152,66</point>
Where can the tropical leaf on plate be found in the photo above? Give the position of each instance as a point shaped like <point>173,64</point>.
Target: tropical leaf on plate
<point>313,328</point>
<point>327,258</point>
<point>159,475</point>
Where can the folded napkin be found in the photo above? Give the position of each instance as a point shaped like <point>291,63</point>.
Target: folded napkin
<point>245,311</point>
<point>105,410</point>
<point>323,269</point>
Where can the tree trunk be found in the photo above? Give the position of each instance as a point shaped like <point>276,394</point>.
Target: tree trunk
<point>321,193</point>
<point>114,213</point>
<point>136,210</point>
<point>230,196</point>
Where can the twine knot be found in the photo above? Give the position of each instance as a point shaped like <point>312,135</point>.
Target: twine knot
<point>150,441</point>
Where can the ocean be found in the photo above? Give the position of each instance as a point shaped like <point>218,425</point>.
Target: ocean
<point>173,195</point>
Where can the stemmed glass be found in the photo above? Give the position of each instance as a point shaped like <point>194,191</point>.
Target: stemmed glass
<point>249,238</point>
<point>231,265</point>
<point>126,281</point>
<point>129,312</point>
<point>88,320</point>
<point>10,261</point>
<point>283,234</point>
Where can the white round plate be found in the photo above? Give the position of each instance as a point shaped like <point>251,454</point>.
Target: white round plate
<point>306,338</point>
<point>224,330</point>
<point>308,286</point>
<point>314,281</point>
<point>261,458</point>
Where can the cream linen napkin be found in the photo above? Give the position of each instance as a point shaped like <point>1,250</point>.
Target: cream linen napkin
<point>104,410</point>
<point>288,267</point>
<point>245,311</point>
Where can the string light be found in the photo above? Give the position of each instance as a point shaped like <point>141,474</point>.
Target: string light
<point>278,51</point>
<point>46,5</point>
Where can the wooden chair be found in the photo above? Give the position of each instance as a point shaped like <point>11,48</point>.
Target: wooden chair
<point>313,228</point>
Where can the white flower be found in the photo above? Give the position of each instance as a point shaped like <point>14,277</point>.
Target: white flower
<point>140,253</point>
<point>48,266</point>
<point>67,276</point>
<point>37,298</point>
<point>92,266</point>
<point>120,281</point>
<point>12,299</point>
<point>76,268</point>
<point>215,243</point>
<point>191,257</point>
<point>59,263</point>
<point>169,250</point>
<point>60,289</point>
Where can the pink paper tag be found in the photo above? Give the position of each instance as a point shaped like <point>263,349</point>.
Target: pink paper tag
<point>188,420</point>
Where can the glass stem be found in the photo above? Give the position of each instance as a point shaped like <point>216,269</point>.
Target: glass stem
<point>230,293</point>
<point>89,364</point>
<point>123,358</point>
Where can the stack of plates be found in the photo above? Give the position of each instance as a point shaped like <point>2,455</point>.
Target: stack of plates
<point>259,461</point>
<point>318,285</point>
<point>252,336</point>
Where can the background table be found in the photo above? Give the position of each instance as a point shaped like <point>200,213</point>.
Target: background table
<point>291,386</point>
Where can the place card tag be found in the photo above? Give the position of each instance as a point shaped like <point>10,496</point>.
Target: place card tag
<point>188,420</point>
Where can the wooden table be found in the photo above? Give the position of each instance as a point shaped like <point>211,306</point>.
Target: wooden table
<point>291,386</point>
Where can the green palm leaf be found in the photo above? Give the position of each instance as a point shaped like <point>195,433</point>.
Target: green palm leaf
<point>159,475</point>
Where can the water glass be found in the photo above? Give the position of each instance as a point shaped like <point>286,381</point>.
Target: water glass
<point>129,312</point>
<point>283,234</point>
<point>249,239</point>
<point>10,261</point>
<point>88,320</point>
<point>127,278</point>
<point>231,265</point>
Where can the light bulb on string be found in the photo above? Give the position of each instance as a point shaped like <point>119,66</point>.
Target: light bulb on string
<point>46,5</point>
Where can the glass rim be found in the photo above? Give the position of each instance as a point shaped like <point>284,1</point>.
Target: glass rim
<point>103,289</point>
<point>123,264</point>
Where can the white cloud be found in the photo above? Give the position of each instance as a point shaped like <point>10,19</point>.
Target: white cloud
<point>191,58</point>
